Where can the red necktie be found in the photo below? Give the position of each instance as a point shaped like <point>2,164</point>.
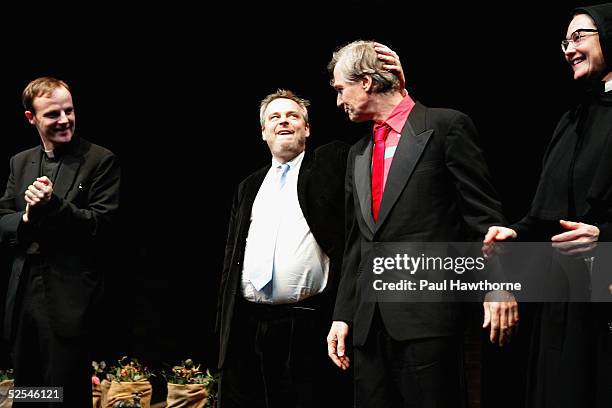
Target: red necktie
<point>378,166</point>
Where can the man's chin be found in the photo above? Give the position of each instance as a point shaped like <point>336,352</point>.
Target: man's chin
<point>59,139</point>
<point>288,152</point>
<point>356,119</point>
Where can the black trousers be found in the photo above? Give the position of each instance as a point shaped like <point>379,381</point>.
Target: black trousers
<point>277,358</point>
<point>570,360</point>
<point>423,373</point>
<point>41,358</point>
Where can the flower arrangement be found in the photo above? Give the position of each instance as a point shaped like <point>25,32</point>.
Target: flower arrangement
<point>188,374</point>
<point>129,377</point>
<point>129,370</point>
<point>126,385</point>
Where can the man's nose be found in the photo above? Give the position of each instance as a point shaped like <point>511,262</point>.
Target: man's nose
<point>63,118</point>
<point>339,102</point>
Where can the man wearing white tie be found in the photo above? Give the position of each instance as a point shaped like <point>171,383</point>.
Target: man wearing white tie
<point>281,268</point>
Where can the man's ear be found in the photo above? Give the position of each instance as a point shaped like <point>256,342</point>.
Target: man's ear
<point>367,83</point>
<point>30,116</point>
<point>263,133</point>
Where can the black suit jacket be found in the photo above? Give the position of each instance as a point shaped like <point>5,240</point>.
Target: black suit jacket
<point>321,199</point>
<point>69,230</point>
<point>438,190</point>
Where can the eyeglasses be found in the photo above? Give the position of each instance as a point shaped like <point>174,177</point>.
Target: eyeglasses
<point>576,37</point>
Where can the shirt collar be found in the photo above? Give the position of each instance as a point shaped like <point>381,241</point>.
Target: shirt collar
<point>292,164</point>
<point>61,150</point>
<point>49,154</point>
<point>397,118</point>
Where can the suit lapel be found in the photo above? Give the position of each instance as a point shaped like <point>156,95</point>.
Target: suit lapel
<point>32,171</point>
<point>302,183</point>
<point>66,174</point>
<point>363,184</point>
<point>411,145</point>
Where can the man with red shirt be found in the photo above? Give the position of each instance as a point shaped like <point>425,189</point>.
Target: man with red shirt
<point>437,190</point>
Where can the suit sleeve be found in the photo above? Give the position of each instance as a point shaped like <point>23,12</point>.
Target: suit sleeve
<point>605,231</point>
<point>347,289</point>
<point>103,202</point>
<point>464,159</point>
<point>527,228</point>
<point>12,229</point>
<point>227,260</point>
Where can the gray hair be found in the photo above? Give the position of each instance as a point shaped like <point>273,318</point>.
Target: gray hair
<point>283,94</point>
<point>358,59</point>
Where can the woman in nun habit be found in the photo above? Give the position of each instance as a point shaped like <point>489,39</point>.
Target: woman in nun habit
<point>571,345</point>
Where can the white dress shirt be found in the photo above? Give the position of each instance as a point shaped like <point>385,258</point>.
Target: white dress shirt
<point>279,231</point>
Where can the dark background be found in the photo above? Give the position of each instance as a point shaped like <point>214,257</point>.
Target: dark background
<point>174,92</point>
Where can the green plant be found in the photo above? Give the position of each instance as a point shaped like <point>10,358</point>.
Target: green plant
<point>6,375</point>
<point>129,370</point>
<point>185,373</point>
<point>211,384</point>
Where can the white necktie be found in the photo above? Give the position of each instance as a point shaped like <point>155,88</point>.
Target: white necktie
<point>283,169</point>
<point>263,275</point>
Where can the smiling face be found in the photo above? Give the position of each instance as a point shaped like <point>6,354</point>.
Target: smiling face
<point>284,129</point>
<point>53,117</point>
<point>585,56</point>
